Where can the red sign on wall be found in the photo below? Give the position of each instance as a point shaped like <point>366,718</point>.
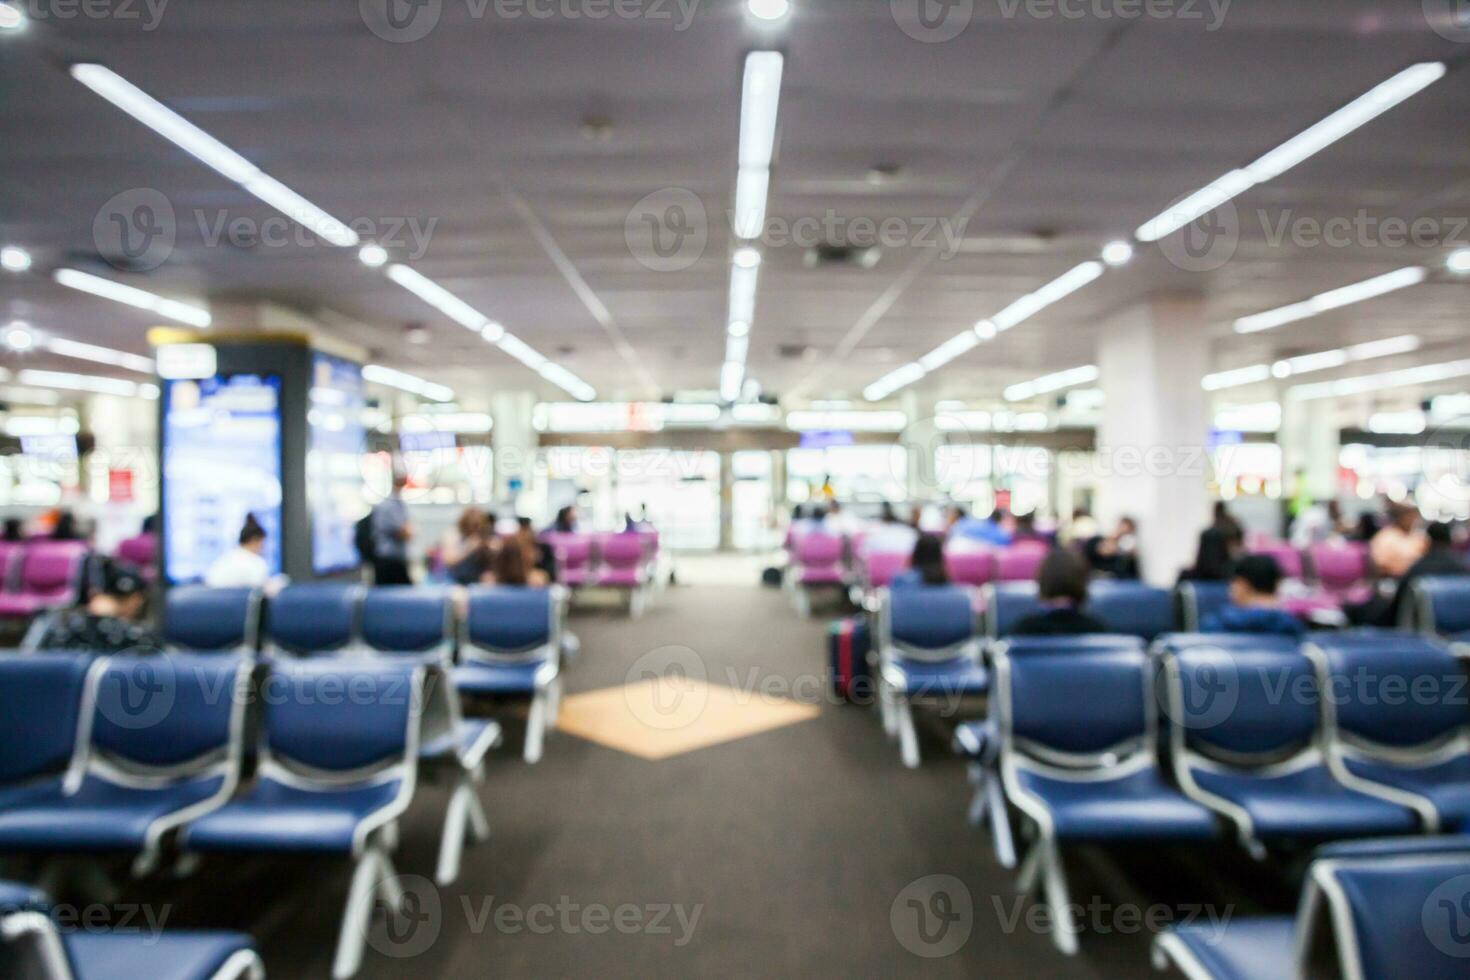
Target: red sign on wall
<point>120,486</point>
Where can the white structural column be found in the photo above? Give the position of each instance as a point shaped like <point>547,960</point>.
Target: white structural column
<point>918,442</point>
<point>1152,457</point>
<point>1311,444</point>
<point>513,439</point>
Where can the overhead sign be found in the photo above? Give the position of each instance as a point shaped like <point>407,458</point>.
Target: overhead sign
<point>187,362</point>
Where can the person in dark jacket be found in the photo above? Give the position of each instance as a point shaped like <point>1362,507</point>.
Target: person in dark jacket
<point>1440,559</point>
<point>926,567</point>
<point>109,622</point>
<point>1253,606</point>
<point>1062,586</point>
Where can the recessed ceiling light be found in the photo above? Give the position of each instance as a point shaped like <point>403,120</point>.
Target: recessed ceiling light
<point>747,257</point>
<point>1117,253</point>
<point>11,17</point>
<point>1459,261</point>
<point>18,337</point>
<point>768,9</point>
<point>14,258</point>
<point>985,330</point>
<point>372,256</point>
<point>738,329</point>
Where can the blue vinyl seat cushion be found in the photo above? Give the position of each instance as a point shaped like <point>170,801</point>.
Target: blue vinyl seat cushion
<point>1247,949</point>
<point>166,956</point>
<point>275,817</point>
<point>1446,785</point>
<point>1140,806</point>
<point>1307,803</point>
<point>1395,846</point>
<point>100,816</point>
<point>21,794</point>
<point>961,676</point>
<point>1407,914</point>
<point>509,678</point>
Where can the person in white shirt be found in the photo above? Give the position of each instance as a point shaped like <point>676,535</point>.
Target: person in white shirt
<point>244,565</point>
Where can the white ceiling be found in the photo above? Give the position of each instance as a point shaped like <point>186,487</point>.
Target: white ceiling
<point>1054,135</point>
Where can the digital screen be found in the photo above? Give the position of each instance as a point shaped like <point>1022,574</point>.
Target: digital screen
<point>221,462</point>
<point>334,477</point>
<point>50,446</point>
<point>426,442</point>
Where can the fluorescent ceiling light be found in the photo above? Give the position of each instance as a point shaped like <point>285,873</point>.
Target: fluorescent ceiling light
<point>894,380</point>
<point>12,18</point>
<point>107,289</point>
<point>84,382</point>
<point>1306,363</point>
<point>986,330</point>
<point>1117,253</point>
<point>19,338</point>
<point>1357,292</point>
<point>372,256</point>
<point>438,297</point>
<point>1047,383</point>
<point>752,187</point>
<point>1236,377</point>
<point>738,328</point>
<point>743,282</point>
<point>13,258</point>
<point>568,382</point>
<point>1059,288</point>
<point>1361,110</point>
<point>521,351</point>
<point>1458,262</point>
<point>1387,347</point>
<point>768,9</point>
<point>747,257</point>
<point>99,355</point>
<point>760,98</point>
<point>403,381</point>
<point>857,421</point>
<point>949,350</point>
<point>1424,374</point>
<point>732,376</point>
<point>211,152</point>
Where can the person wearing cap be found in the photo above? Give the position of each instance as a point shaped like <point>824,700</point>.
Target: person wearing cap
<point>1254,581</point>
<point>109,622</point>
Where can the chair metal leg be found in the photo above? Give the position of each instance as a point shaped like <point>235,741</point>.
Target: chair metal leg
<point>1064,928</point>
<point>553,702</point>
<point>976,813</point>
<point>358,914</point>
<point>1000,823</point>
<point>451,843</point>
<point>1030,873</point>
<point>908,737</point>
<point>803,602</point>
<point>390,888</point>
<point>479,822</point>
<point>885,709</point>
<point>536,726</point>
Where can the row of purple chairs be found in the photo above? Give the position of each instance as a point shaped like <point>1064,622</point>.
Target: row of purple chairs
<point>40,575</point>
<point>626,561</point>
<point>967,564</point>
<point>1341,568</point>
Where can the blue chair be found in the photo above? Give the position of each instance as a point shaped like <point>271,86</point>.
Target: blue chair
<point>978,743</point>
<point>1199,601</point>
<point>1442,605</point>
<point>312,619</point>
<point>928,645</point>
<point>1078,731</point>
<point>200,619</point>
<point>1006,604</point>
<point>1245,740</point>
<point>1132,608</point>
<point>32,946</point>
<point>40,705</point>
<point>338,764</point>
<point>1382,911</point>
<point>510,646</point>
<point>1398,726</point>
<point>161,744</point>
<point>409,620</point>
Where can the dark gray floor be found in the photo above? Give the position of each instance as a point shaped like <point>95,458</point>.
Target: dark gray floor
<point>792,845</point>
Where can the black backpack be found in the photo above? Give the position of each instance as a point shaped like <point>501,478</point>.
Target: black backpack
<point>363,538</point>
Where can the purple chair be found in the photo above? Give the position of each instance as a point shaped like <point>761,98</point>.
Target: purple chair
<point>1342,569</point>
<point>573,557</point>
<point>879,567</point>
<point>1288,559</point>
<point>50,578</point>
<point>970,566</point>
<point>621,567</point>
<point>1020,562</point>
<point>140,550</point>
<point>818,561</point>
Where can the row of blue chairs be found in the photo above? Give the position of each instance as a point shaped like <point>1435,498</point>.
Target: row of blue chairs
<point>508,644</point>
<point>1441,605</point>
<point>1359,734</point>
<point>161,757</point>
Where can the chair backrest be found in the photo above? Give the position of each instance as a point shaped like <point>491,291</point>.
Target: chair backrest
<point>573,549</point>
<point>817,548</point>
<point>934,623</point>
<point>1391,690</point>
<point>341,717</point>
<point>1444,603</point>
<point>176,712</point>
<point>969,566</point>
<point>140,550</point>
<point>1019,562</point>
<point>10,552</point>
<point>506,622</point>
<point>1007,603</point>
<point>1132,608</point>
<point>40,703</point>
<point>1393,916</point>
<point>313,617</point>
<point>621,550</point>
<point>648,537</point>
<point>1199,601</point>
<point>1248,706</point>
<point>51,568</point>
<point>408,619</point>
<point>879,567</point>
<point>1075,699</point>
<point>1287,558</point>
<point>1339,564</point>
<point>196,617</point>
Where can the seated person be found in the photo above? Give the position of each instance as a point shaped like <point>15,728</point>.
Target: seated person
<point>1441,559</point>
<point>988,530</point>
<point>243,565</point>
<point>110,620</point>
<point>926,567</point>
<point>539,555</point>
<point>1062,585</point>
<point>510,567</point>
<point>1253,608</point>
